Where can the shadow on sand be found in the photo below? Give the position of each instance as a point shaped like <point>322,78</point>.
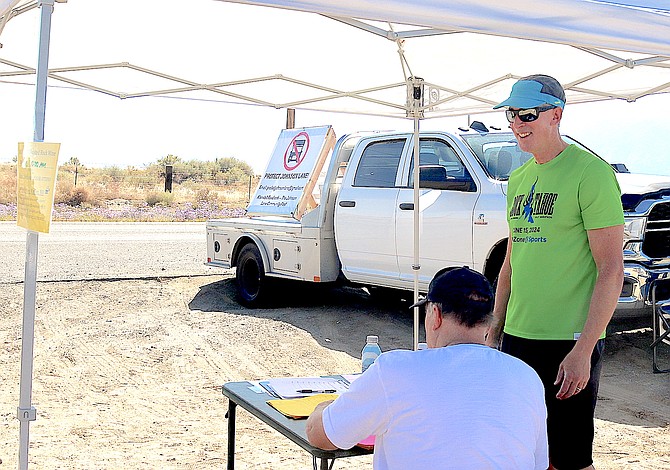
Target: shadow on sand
<point>630,393</point>
<point>331,314</point>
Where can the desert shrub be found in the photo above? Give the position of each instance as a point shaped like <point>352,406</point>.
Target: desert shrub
<point>63,189</point>
<point>143,179</point>
<point>230,176</point>
<point>221,171</point>
<point>111,188</point>
<point>74,196</point>
<point>206,195</point>
<point>193,170</point>
<point>237,194</point>
<point>77,197</point>
<point>203,190</point>
<point>157,198</point>
<point>8,184</point>
<point>229,163</point>
<point>114,173</point>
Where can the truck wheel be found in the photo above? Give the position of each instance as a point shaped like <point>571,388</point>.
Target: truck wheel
<point>494,264</point>
<point>250,276</point>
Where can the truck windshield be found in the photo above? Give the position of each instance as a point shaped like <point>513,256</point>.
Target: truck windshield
<point>499,152</point>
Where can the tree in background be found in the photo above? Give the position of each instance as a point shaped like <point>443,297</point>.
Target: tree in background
<point>231,170</point>
<point>222,171</point>
<point>168,160</point>
<point>74,161</point>
<point>224,181</point>
<point>228,163</point>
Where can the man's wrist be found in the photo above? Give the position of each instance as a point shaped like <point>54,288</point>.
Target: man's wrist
<point>493,338</point>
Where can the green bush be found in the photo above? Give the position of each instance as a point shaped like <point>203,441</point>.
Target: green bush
<point>157,198</point>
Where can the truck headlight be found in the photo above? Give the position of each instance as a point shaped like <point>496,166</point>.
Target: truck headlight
<point>633,228</point>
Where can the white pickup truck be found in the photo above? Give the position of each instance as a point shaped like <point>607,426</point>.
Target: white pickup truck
<point>361,230</point>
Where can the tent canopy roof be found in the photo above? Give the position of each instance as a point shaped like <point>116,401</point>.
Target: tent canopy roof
<point>467,53</point>
<point>631,26</point>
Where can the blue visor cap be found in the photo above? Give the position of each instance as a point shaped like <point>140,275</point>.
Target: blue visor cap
<point>528,94</point>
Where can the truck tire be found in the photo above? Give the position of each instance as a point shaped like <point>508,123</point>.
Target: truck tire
<point>494,264</point>
<point>252,284</point>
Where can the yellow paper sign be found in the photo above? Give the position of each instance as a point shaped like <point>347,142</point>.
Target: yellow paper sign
<point>36,166</point>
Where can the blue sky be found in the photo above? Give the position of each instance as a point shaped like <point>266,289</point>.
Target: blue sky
<point>103,131</point>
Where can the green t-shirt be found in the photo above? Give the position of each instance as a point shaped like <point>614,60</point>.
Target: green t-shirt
<point>549,209</point>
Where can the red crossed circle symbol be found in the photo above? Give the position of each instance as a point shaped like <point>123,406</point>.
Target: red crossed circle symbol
<point>296,151</point>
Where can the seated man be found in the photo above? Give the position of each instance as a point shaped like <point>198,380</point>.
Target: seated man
<point>458,404</point>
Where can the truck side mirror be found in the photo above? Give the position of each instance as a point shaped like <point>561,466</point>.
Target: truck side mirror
<point>435,177</point>
<point>620,168</point>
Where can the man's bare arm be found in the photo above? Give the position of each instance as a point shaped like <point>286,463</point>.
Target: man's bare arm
<point>607,249</point>
<point>503,289</point>
<point>316,435</point>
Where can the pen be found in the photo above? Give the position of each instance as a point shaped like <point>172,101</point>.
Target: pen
<point>315,391</point>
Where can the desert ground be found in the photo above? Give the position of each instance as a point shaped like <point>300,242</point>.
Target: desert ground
<point>128,368</point>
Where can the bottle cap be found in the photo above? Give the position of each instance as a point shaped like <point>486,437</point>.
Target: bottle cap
<point>372,339</point>
<point>422,346</point>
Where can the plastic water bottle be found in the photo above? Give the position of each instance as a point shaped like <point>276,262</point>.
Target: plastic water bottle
<point>371,351</point>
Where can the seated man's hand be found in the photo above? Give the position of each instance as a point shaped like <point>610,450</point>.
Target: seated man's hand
<point>314,429</point>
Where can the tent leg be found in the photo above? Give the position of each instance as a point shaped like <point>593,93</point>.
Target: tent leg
<point>416,266</point>
<point>26,413</point>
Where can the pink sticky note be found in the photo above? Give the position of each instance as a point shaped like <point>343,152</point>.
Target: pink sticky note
<point>368,442</point>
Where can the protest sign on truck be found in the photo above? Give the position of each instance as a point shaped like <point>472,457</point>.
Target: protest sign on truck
<point>287,184</point>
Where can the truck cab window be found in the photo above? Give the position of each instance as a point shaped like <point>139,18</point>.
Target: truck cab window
<point>379,162</point>
<point>439,162</point>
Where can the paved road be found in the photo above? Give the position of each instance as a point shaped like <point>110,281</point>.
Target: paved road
<point>101,250</point>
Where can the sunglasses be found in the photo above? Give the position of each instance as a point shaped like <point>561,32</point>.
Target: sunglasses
<point>526,115</point>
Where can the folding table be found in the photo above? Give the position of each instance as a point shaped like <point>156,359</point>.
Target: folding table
<point>247,396</point>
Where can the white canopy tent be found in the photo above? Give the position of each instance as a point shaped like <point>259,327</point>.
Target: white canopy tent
<point>598,50</point>
<point>632,26</point>
<point>608,50</point>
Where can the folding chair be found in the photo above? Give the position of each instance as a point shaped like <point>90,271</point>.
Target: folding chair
<point>660,328</point>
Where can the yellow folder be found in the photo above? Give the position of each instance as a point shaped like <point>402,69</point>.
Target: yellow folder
<point>298,408</point>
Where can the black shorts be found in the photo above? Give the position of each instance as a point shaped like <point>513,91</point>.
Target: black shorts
<point>570,425</point>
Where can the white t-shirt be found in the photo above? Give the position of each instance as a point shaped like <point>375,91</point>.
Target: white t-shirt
<point>464,406</point>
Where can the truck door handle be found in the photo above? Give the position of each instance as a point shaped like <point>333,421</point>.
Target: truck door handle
<point>407,206</point>
<point>347,203</point>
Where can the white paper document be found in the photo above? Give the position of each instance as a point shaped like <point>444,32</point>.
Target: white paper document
<point>295,387</point>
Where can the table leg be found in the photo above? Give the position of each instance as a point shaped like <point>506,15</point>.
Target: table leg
<point>326,465</point>
<point>231,434</point>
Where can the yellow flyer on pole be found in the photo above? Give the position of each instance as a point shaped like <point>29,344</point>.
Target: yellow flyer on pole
<point>36,166</point>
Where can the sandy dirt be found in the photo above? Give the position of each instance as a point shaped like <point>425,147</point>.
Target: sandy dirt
<point>128,373</point>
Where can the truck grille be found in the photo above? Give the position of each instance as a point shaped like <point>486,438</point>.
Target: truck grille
<point>657,236</point>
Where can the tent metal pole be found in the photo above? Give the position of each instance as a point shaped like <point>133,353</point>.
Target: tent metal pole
<point>26,412</point>
<point>47,7</point>
<point>415,97</point>
<point>416,266</point>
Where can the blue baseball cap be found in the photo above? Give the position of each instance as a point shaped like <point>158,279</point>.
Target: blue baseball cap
<point>534,91</point>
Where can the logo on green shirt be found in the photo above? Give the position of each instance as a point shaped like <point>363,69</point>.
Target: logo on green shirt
<point>533,205</point>
<point>528,205</point>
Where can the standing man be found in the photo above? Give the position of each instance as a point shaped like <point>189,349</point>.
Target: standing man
<point>457,405</point>
<point>563,272</point>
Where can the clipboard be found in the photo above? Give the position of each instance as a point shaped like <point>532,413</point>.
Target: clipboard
<point>294,387</point>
